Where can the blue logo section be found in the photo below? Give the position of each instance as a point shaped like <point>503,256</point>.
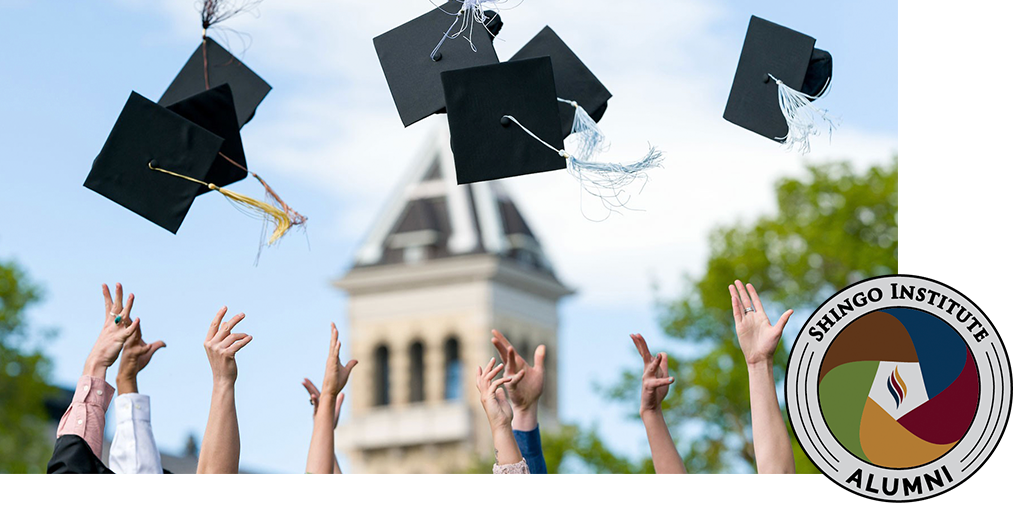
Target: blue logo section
<point>937,345</point>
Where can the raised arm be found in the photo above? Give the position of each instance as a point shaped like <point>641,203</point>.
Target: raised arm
<point>133,450</point>
<point>221,445</point>
<point>86,416</point>
<point>523,397</point>
<point>500,415</point>
<point>655,383</point>
<point>758,339</point>
<point>322,453</point>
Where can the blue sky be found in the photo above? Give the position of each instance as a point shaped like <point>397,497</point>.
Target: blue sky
<point>328,138</point>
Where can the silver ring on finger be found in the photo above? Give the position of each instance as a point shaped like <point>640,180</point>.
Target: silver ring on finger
<point>749,310</point>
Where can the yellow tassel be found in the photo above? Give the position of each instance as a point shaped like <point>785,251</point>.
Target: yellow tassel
<point>278,217</point>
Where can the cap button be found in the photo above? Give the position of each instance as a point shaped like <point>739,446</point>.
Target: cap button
<point>504,121</point>
<point>437,57</point>
<point>766,78</point>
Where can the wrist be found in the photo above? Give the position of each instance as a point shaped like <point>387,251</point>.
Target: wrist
<point>525,418</point>
<point>127,384</point>
<point>95,369</point>
<point>764,365</point>
<point>647,414</point>
<point>222,384</point>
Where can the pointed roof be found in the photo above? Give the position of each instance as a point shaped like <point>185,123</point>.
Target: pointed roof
<point>430,216</point>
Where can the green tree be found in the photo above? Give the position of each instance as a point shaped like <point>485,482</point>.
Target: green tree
<point>833,228</point>
<point>25,445</point>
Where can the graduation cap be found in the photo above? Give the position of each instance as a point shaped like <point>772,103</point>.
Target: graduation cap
<point>210,66</point>
<point>148,133</point>
<point>778,76</point>
<point>412,62</point>
<point>155,162</point>
<point>573,79</point>
<point>481,103</point>
<point>214,110</point>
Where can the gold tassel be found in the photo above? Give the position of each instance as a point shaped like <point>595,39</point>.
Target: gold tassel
<point>278,217</point>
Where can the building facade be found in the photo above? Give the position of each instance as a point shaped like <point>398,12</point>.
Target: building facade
<point>443,265</point>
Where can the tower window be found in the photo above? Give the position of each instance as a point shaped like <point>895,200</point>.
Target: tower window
<point>381,375</point>
<point>417,372</point>
<point>454,370</point>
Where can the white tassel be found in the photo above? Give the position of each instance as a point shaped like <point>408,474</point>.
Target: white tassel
<point>802,116</point>
<point>585,133</point>
<point>472,11</point>
<point>599,179</point>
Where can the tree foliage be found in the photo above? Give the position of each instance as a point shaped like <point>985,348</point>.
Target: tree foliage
<point>25,445</point>
<point>832,228</point>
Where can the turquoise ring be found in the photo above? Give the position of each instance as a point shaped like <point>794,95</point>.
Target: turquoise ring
<point>117,319</point>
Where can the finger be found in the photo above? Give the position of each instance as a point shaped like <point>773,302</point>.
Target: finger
<point>492,373</point>
<point>488,367</point>
<point>127,307</point>
<point>737,309</point>
<point>755,298</point>
<point>130,330</point>
<point>233,338</point>
<point>118,299</point>
<point>310,386</point>
<point>652,367</point>
<point>511,365</point>
<point>743,297</point>
<point>339,403</point>
<point>500,395</point>
<point>225,328</point>
<point>238,345</point>
<point>514,379</point>
<point>108,300</point>
<point>350,364</point>
<point>665,364</point>
<point>500,348</point>
<point>783,319</point>
<point>334,339</point>
<point>153,347</point>
<point>651,384</point>
<point>638,341</point>
<point>539,358</point>
<point>214,327</point>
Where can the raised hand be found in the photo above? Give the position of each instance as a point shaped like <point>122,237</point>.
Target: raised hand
<point>136,356</point>
<point>314,397</point>
<point>493,398</point>
<point>655,380</point>
<point>117,328</point>
<point>524,392</point>
<point>221,346</point>
<point>654,387</point>
<point>758,338</point>
<point>336,373</point>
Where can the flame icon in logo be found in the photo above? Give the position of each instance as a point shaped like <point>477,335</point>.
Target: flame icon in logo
<point>897,387</point>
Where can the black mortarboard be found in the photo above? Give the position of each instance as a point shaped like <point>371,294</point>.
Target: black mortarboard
<point>148,133</point>
<point>213,109</point>
<point>413,77</point>
<point>485,145</point>
<point>788,56</point>
<point>72,455</point>
<point>573,80</point>
<point>248,88</point>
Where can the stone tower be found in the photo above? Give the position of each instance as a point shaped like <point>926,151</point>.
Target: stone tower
<point>442,266</point>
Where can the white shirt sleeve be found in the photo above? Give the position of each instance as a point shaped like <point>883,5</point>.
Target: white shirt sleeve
<point>133,450</point>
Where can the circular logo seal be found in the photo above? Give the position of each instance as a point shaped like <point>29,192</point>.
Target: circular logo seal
<point>898,388</point>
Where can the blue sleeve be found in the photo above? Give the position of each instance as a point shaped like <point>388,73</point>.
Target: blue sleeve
<point>530,448</point>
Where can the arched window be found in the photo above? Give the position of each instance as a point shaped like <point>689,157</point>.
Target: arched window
<point>381,375</point>
<point>454,370</point>
<point>417,372</point>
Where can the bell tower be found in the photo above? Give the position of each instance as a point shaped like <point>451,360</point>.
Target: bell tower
<point>443,265</point>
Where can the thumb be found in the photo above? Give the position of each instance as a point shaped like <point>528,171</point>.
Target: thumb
<point>350,364</point>
<point>539,357</point>
<point>783,320</point>
<point>155,346</point>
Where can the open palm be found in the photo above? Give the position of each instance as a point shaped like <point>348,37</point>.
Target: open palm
<point>758,338</point>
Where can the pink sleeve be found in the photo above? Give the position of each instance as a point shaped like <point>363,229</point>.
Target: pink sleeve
<point>520,468</point>
<point>86,417</point>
